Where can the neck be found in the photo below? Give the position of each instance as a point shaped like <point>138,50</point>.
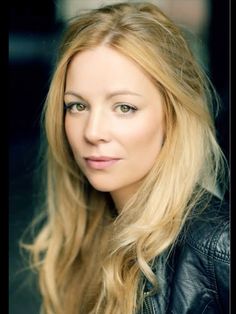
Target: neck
<point>122,196</point>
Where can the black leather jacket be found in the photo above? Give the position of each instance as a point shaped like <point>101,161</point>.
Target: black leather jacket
<point>195,277</point>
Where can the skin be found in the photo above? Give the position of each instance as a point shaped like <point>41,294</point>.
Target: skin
<point>113,110</point>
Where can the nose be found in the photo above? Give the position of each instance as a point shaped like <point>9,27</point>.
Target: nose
<point>97,127</point>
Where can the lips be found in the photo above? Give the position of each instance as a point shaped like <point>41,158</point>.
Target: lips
<point>100,163</point>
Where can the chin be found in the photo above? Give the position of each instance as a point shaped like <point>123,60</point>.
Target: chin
<point>101,187</point>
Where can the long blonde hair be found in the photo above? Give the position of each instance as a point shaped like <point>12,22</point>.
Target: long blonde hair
<point>89,259</point>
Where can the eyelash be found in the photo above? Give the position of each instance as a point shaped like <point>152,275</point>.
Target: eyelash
<point>70,106</point>
<point>131,109</point>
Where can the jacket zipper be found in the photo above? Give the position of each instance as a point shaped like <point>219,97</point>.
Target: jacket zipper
<point>148,305</point>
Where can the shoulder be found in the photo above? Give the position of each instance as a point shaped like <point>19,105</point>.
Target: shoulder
<point>194,277</point>
<point>208,230</point>
<point>206,249</point>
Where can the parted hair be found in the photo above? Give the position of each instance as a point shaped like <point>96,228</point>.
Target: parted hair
<point>88,258</point>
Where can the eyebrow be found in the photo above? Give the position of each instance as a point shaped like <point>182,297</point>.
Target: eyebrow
<point>108,96</point>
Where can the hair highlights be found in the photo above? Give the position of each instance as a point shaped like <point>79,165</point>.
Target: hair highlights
<point>89,261</point>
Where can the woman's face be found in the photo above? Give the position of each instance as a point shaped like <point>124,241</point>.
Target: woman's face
<point>114,120</point>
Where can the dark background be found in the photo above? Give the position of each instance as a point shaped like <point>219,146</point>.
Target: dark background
<point>33,38</point>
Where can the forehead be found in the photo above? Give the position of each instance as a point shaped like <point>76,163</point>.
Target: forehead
<point>104,66</point>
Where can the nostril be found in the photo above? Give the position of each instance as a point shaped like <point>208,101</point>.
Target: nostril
<point>96,131</point>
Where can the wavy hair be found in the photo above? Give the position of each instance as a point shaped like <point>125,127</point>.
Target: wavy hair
<point>89,259</point>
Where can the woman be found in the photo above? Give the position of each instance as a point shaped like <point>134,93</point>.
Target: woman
<point>133,221</point>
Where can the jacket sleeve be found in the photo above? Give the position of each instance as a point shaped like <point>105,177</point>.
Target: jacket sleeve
<point>221,262</point>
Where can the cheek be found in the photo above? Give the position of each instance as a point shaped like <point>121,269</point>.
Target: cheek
<point>147,140</point>
<point>68,131</point>
<point>72,133</point>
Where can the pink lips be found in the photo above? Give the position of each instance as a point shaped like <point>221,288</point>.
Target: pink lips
<point>100,162</point>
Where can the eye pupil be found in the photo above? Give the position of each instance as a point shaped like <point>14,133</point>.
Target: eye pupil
<point>79,107</point>
<point>125,108</point>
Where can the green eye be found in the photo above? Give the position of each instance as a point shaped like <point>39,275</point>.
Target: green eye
<point>75,107</point>
<point>79,107</point>
<point>125,108</point>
